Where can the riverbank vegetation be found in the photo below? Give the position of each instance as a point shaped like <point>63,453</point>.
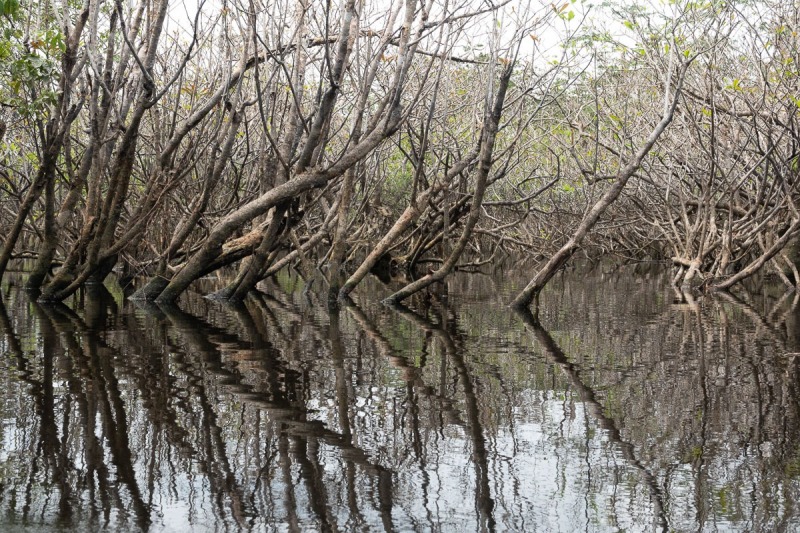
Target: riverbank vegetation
<point>407,138</point>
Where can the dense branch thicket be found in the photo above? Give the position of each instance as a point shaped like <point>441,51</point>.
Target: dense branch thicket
<point>411,136</point>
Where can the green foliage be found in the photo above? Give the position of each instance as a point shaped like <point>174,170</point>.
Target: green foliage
<point>9,8</point>
<point>30,68</point>
<point>734,85</point>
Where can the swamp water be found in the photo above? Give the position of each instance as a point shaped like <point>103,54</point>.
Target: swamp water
<point>629,408</point>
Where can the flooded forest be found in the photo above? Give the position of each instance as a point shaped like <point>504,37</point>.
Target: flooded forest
<point>407,265</point>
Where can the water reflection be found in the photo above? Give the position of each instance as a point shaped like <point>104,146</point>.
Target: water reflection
<point>595,409</point>
<point>621,406</point>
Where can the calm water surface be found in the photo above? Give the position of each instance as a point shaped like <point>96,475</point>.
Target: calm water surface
<point>624,407</point>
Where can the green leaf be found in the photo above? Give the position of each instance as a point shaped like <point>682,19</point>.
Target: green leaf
<point>735,85</point>
<point>9,8</point>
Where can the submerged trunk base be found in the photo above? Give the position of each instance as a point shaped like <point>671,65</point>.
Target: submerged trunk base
<point>151,290</point>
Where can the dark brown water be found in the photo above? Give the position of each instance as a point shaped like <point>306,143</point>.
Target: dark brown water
<point>628,408</point>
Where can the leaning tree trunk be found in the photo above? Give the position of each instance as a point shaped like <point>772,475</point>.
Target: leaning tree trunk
<point>411,213</point>
<point>406,219</point>
<point>384,127</point>
<point>489,134</point>
<point>253,269</point>
<point>760,261</point>
<point>532,290</point>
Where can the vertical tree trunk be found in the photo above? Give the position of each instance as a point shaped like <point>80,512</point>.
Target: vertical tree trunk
<point>97,265</point>
<point>44,176</point>
<point>50,237</point>
<point>339,237</point>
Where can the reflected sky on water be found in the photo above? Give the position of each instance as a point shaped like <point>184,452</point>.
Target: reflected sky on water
<point>622,406</point>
